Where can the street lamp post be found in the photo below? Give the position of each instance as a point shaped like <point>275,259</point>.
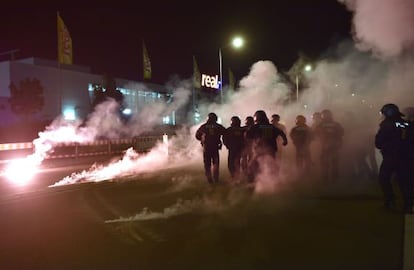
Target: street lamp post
<point>306,68</point>
<point>237,43</point>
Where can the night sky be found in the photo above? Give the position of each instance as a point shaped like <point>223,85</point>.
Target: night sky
<point>109,39</point>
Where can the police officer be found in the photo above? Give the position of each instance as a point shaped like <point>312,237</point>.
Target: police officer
<point>301,135</point>
<point>210,134</point>
<point>395,141</point>
<point>330,135</point>
<point>263,136</point>
<point>234,142</point>
<point>247,150</point>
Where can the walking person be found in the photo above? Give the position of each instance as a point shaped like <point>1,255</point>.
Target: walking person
<point>210,135</point>
<point>301,135</point>
<point>330,134</point>
<point>247,149</point>
<point>395,141</point>
<point>264,146</point>
<point>233,139</point>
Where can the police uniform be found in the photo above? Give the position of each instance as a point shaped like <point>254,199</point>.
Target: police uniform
<point>395,141</point>
<point>234,141</point>
<point>209,134</point>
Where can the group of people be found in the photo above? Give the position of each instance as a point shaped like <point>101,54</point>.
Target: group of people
<point>256,144</point>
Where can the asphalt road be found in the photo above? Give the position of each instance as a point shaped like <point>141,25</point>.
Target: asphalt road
<point>171,219</point>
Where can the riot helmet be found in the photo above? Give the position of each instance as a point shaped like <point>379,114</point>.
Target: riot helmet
<point>390,110</point>
<point>249,121</point>
<point>326,115</point>
<point>235,121</point>
<point>212,118</point>
<point>260,117</point>
<point>300,120</point>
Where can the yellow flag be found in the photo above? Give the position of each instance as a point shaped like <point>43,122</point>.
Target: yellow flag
<point>146,62</point>
<point>196,74</point>
<point>232,82</point>
<point>64,43</point>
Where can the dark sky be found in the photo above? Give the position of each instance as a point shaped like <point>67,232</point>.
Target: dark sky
<point>109,39</point>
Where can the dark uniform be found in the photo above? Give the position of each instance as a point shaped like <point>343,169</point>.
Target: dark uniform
<point>209,134</point>
<point>234,141</point>
<point>263,136</point>
<point>301,136</point>
<point>395,141</point>
<point>247,150</point>
<point>330,135</point>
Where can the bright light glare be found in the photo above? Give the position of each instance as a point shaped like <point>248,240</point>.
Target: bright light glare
<point>127,111</point>
<point>238,42</point>
<point>308,67</point>
<point>20,171</point>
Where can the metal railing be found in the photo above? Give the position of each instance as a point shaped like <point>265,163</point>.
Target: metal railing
<point>75,150</point>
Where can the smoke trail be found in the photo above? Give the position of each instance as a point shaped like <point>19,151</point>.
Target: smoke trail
<point>382,26</point>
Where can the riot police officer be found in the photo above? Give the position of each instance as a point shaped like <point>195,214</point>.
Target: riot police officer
<point>301,135</point>
<point>263,136</point>
<point>233,139</point>
<point>330,135</point>
<point>395,141</point>
<point>210,134</point>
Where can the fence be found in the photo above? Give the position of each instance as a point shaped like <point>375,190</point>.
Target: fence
<point>75,150</point>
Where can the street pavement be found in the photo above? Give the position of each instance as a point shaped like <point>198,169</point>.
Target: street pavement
<point>172,219</point>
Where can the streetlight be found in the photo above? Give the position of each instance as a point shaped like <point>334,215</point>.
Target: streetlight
<point>306,68</point>
<point>237,43</point>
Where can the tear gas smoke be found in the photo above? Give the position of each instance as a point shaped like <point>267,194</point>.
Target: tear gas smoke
<point>382,26</point>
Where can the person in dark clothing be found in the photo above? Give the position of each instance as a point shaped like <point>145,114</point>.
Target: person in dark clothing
<point>247,150</point>
<point>395,141</point>
<point>330,134</point>
<point>210,134</point>
<point>301,136</point>
<point>264,145</point>
<point>233,139</point>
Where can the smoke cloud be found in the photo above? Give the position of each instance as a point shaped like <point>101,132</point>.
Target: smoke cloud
<point>382,26</point>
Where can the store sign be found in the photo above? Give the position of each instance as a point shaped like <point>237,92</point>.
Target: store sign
<point>210,81</point>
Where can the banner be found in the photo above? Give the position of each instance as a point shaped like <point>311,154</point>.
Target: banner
<point>64,43</point>
<point>146,62</point>
<point>196,74</point>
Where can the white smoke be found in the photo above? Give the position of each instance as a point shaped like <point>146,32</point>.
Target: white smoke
<point>382,26</point>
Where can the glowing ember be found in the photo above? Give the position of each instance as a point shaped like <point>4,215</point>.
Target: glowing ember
<point>21,171</point>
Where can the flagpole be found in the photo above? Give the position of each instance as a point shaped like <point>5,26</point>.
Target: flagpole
<point>221,75</point>
<point>59,70</point>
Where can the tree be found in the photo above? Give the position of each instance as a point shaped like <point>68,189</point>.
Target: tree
<point>26,99</point>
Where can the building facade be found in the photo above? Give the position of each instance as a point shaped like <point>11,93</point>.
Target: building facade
<point>68,90</point>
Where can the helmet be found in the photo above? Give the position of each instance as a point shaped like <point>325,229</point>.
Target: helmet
<point>235,121</point>
<point>212,117</point>
<point>249,121</point>
<point>316,116</point>
<point>391,110</point>
<point>300,120</point>
<point>326,114</point>
<point>260,117</point>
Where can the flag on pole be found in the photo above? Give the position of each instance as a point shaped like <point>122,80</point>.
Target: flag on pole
<point>196,74</point>
<point>232,82</point>
<point>146,62</point>
<point>64,42</point>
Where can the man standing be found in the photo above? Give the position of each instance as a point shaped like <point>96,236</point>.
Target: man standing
<point>395,141</point>
<point>234,141</point>
<point>301,136</point>
<point>330,135</point>
<point>264,146</point>
<point>210,134</point>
